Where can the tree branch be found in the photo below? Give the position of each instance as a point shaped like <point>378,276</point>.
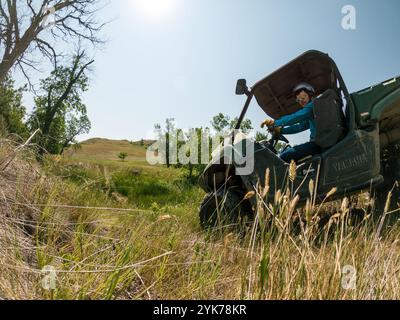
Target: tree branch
<point>22,29</point>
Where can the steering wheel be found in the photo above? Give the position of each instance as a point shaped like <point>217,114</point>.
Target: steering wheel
<point>276,137</point>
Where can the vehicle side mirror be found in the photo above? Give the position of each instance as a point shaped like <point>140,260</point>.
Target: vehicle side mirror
<point>241,87</point>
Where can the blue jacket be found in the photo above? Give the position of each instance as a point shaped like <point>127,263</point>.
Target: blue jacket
<point>298,121</point>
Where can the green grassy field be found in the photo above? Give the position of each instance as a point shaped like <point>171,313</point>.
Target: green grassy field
<point>113,229</point>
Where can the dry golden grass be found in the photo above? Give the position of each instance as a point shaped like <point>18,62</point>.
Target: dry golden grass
<point>104,249</point>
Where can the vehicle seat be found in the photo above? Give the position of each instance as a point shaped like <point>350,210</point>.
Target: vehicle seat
<point>330,121</point>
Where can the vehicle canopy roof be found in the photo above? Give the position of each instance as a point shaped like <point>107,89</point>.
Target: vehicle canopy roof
<point>274,93</point>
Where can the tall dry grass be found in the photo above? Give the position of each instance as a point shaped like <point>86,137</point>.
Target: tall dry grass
<point>102,248</point>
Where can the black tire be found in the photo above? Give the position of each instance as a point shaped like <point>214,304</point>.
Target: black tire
<point>222,209</point>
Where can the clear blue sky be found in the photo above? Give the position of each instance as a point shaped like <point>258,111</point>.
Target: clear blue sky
<point>183,59</point>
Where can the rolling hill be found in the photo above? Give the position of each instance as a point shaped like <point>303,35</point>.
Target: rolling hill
<point>107,150</point>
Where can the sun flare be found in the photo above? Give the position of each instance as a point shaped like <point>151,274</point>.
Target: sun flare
<point>155,8</point>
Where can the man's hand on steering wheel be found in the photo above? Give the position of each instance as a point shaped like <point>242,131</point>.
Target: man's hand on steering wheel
<point>275,131</point>
<point>277,134</point>
<point>268,123</point>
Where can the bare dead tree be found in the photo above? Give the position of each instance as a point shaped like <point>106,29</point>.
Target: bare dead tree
<point>29,27</point>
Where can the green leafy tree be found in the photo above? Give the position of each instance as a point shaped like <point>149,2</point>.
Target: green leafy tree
<point>222,122</point>
<point>260,136</point>
<point>12,112</point>
<point>122,156</point>
<point>59,112</point>
<point>74,127</point>
<point>245,126</point>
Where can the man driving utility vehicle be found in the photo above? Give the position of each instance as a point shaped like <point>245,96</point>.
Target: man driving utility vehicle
<point>297,122</point>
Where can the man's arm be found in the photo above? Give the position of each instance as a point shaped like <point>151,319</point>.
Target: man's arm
<point>296,128</point>
<point>305,113</point>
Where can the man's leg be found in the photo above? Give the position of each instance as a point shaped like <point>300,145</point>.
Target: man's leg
<point>298,152</point>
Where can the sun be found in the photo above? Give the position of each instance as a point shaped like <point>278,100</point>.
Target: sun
<point>155,8</point>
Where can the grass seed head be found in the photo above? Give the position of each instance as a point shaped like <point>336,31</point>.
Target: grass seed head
<point>249,195</point>
<point>311,187</point>
<point>292,171</point>
<point>266,181</point>
<point>331,192</point>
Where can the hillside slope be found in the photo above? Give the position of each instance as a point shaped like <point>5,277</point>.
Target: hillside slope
<point>106,149</point>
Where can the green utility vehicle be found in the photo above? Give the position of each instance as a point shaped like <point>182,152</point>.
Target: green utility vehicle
<point>359,134</point>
